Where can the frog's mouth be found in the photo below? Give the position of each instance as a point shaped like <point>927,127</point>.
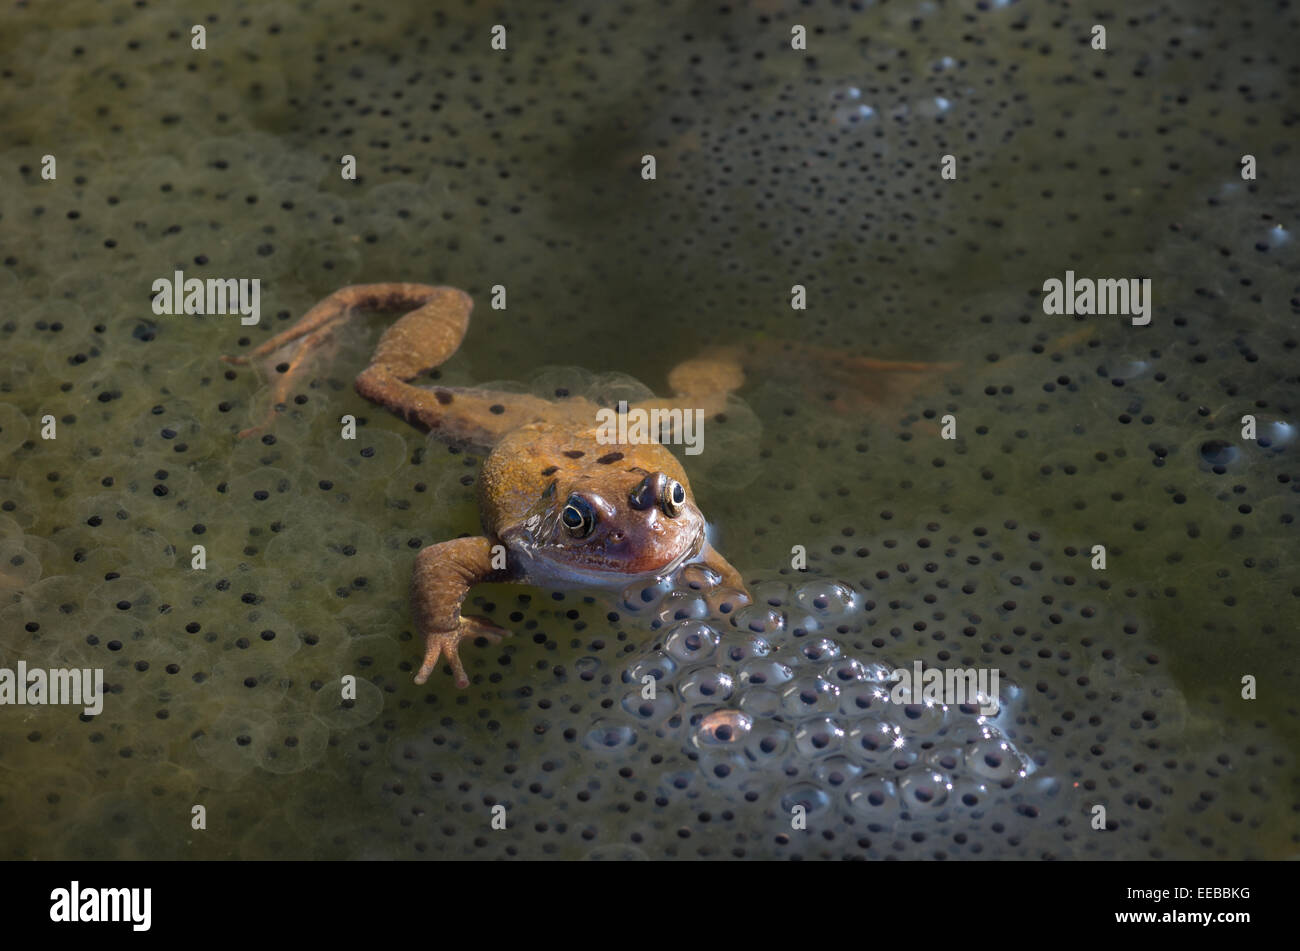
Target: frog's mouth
<point>608,567</point>
<point>687,554</point>
<point>580,568</point>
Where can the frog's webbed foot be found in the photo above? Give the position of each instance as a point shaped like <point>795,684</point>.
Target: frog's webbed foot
<point>447,644</point>
<point>444,573</point>
<point>848,383</point>
<point>426,336</point>
<point>867,385</point>
<point>841,382</point>
<point>299,343</point>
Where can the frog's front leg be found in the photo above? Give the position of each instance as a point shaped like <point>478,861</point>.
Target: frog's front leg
<point>444,574</point>
<point>706,382</point>
<point>730,592</point>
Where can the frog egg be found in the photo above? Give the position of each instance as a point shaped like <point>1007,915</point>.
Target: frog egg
<point>767,671</point>
<point>329,706</point>
<point>1216,455</point>
<point>19,565</point>
<point>698,577</point>
<point>644,596</point>
<point>827,600</point>
<point>226,743</point>
<point>650,710</point>
<point>760,620</point>
<point>656,664</point>
<point>837,772</point>
<point>607,389</point>
<point>722,729</point>
<point>809,696</point>
<point>1007,700</point>
<point>820,736</point>
<point>265,485</point>
<point>873,797</point>
<point>116,637</point>
<point>970,794</point>
<point>723,767</point>
<point>810,796</point>
<point>875,743</point>
<point>946,758</point>
<point>918,719</point>
<point>863,699</point>
<point>173,432</point>
<point>1275,434</point>
<point>995,758</point>
<point>124,597</point>
<point>933,106</point>
<point>774,594</point>
<point>454,485</point>
<point>104,513</point>
<point>815,650</point>
<point>587,667</point>
<point>923,790</point>
<point>373,458</point>
<point>357,653</point>
<point>290,744</point>
<point>765,744</point>
<point>26,606</point>
<point>736,647</point>
<point>691,642</point>
<point>679,605</point>
<point>705,685</point>
<point>14,426</point>
<point>846,670</point>
<point>68,314</point>
<point>760,702</point>
<point>148,549</point>
<point>607,735</point>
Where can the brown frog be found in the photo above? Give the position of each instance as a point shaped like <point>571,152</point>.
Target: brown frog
<point>560,506</point>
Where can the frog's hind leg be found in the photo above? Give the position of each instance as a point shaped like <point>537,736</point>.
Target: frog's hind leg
<point>703,382</point>
<point>423,338</point>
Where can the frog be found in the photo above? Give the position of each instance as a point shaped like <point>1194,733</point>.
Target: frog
<point>562,505</point>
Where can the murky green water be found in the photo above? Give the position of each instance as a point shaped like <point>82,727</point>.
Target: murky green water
<point>774,168</point>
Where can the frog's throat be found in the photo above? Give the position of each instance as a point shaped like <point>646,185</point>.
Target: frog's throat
<point>538,569</point>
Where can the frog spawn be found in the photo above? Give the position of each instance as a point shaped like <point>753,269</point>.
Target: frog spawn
<point>768,693</point>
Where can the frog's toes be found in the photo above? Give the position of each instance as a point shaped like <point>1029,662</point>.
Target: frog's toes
<point>446,644</point>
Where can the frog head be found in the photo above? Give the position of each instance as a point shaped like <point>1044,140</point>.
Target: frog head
<point>607,526</point>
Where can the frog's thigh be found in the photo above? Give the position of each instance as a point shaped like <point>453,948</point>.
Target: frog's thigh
<point>463,415</point>
<point>702,382</point>
<point>714,372</point>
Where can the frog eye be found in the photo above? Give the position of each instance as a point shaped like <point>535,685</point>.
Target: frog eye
<point>673,499</point>
<point>578,517</point>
